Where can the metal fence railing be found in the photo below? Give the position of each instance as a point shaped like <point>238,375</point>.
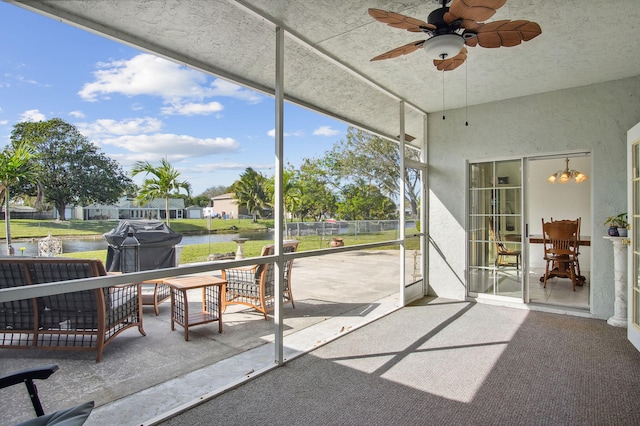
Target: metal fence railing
<point>357,230</point>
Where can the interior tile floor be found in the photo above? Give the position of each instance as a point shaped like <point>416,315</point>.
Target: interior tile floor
<point>507,281</point>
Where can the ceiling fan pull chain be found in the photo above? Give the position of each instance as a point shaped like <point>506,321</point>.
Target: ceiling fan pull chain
<point>466,93</point>
<point>443,117</point>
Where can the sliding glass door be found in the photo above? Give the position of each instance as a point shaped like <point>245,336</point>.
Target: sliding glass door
<point>495,237</point>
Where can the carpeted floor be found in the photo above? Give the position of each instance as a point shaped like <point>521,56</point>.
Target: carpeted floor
<point>447,363</point>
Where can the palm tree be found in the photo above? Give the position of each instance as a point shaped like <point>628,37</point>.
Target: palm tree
<point>14,162</point>
<point>163,184</point>
<point>291,194</point>
<point>250,191</point>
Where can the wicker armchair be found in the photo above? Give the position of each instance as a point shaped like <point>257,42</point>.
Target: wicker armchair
<point>153,293</point>
<point>254,286</point>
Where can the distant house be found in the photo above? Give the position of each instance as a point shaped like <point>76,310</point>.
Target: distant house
<point>194,212</point>
<point>226,206</point>
<point>100,212</point>
<point>26,212</point>
<point>129,208</point>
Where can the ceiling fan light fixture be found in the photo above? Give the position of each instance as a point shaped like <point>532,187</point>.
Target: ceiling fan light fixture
<point>443,46</point>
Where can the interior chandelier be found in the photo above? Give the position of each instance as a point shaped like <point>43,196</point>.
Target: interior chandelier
<point>564,176</point>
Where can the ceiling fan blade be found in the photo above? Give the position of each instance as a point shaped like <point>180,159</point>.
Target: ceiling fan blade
<point>504,33</point>
<point>400,21</point>
<point>473,10</point>
<point>399,51</point>
<point>451,64</point>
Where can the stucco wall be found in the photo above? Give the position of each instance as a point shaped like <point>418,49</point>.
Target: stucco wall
<point>591,118</point>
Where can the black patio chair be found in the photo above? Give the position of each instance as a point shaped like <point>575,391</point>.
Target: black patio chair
<point>73,416</point>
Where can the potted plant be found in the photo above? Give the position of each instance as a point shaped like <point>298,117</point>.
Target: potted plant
<point>617,225</point>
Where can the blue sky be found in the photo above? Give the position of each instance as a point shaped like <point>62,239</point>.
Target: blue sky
<point>136,106</point>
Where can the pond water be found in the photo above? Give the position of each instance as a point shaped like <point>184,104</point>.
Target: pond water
<point>73,245</point>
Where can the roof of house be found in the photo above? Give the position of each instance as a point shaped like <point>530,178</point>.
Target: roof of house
<point>227,196</point>
<point>156,203</point>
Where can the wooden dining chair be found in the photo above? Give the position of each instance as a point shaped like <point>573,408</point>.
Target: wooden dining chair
<point>561,240</point>
<point>502,250</point>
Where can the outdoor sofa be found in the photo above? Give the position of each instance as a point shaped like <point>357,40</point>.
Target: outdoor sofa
<point>83,320</point>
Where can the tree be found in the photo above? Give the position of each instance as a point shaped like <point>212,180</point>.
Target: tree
<point>163,184</point>
<point>361,201</point>
<point>204,199</point>
<point>201,201</point>
<point>214,191</point>
<point>68,168</point>
<point>317,198</point>
<point>251,193</point>
<point>291,193</point>
<point>14,168</point>
<point>376,161</point>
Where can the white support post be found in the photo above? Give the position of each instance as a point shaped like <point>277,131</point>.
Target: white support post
<point>403,188</point>
<point>279,199</point>
<point>424,209</point>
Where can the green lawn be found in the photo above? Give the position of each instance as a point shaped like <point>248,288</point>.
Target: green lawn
<point>200,252</point>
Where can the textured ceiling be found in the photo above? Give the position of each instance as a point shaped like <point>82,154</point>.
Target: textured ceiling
<point>328,45</point>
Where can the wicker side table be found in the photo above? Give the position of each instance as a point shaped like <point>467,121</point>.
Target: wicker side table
<point>213,289</point>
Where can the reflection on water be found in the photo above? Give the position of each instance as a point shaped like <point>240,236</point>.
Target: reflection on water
<point>99,243</point>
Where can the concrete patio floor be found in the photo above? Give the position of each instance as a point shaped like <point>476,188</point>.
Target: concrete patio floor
<point>144,377</point>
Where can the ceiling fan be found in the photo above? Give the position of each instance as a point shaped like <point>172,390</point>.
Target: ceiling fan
<point>450,28</point>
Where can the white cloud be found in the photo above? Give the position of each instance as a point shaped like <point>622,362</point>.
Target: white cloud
<point>177,147</point>
<point>77,114</point>
<point>23,79</point>
<point>325,131</point>
<point>147,74</point>
<point>144,74</point>
<point>107,127</point>
<point>4,122</point>
<point>225,88</point>
<point>32,115</point>
<point>193,109</point>
<point>213,167</point>
<point>298,133</point>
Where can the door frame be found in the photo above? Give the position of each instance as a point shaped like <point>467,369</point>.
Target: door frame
<point>633,302</point>
<point>409,296</point>
<point>468,221</point>
<point>526,217</point>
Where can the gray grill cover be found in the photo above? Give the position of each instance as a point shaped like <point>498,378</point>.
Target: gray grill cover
<point>157,244</point>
